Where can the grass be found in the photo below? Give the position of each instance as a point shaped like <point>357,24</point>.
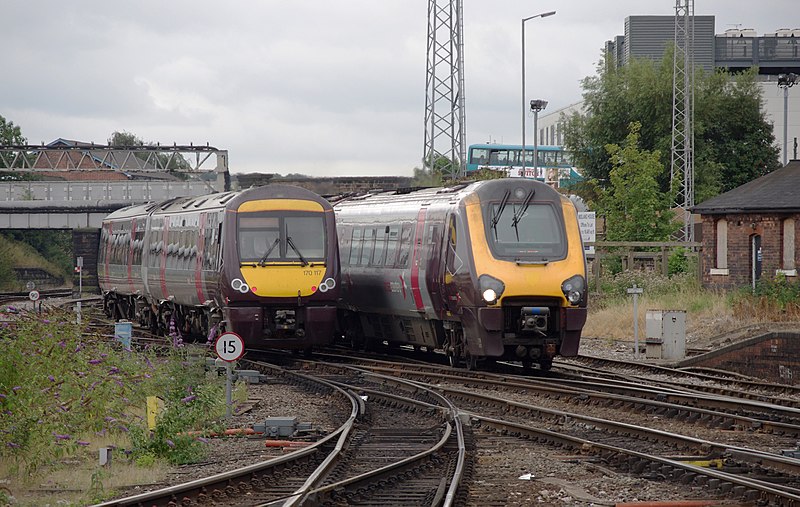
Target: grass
<point>709,313</point>
<point>19,254</point>
<point>64,396</point>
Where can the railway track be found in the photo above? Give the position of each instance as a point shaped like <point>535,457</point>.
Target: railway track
<point>401,447</point>
<point>747,474</point>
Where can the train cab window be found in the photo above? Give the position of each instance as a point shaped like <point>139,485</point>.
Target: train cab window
<point>405,246</point>
<point>278,237</point>
<point>535,232</point>
<point>259,239</point>
<point>380,247</point>
<point>369,246</point>
<point>307,234</point>
<point>392,241</point>
<point>355,247</point>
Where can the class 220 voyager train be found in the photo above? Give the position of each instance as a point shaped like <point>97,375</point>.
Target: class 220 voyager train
<point>262,263</point>
<point>484,271</point>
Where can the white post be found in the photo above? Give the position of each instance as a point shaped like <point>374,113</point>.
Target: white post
<point>635,291</point>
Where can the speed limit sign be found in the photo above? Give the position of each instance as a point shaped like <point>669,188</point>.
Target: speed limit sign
<point>33,295</point>
<point>229,346</point>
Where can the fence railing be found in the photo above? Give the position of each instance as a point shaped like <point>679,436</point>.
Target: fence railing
<point>639,255</point>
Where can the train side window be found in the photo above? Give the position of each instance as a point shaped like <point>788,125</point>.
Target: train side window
<point>380,246</point>
<point>392,240</point>
<point>405,246</point>
<point>369,246</point>
<point>355,246</point>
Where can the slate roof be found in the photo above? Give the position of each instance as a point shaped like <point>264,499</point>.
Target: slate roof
<point>778,191</point>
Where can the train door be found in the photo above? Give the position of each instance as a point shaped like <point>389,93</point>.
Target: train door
<point>433,238</point>
<point>755,259</point>
<point>452,264</point>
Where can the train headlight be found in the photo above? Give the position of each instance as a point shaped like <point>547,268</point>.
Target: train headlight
<point>490,288</point>
<point>574,289</point>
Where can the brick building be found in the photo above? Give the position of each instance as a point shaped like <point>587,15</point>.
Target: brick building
<point>753,231</point>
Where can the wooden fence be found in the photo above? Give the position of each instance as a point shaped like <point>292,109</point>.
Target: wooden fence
<point>639,255</point>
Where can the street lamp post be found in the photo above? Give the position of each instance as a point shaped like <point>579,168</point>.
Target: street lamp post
<point>786,81</point>
<point>536,106</point>
<point>524,106</point>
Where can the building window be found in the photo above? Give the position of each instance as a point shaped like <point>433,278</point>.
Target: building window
<point>721,248</point>
<point>789,265</point>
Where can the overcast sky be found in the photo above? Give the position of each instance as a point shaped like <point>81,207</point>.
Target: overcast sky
<point>319,87</point>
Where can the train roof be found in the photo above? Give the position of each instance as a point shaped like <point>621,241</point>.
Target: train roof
<point>452,194</point>
<point>217,201</point>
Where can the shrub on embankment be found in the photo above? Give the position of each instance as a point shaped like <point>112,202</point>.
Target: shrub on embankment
<point>64,395</point>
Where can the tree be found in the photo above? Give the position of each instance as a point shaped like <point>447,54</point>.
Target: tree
<point>733,140</point>
<point>10,133</point>
<point>634,207</point>
<point>172,162</point>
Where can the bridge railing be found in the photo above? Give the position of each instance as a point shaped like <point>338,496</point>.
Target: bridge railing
<point>139,191</point>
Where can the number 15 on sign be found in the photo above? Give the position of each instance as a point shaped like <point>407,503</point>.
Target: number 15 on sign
<point>229,346</point>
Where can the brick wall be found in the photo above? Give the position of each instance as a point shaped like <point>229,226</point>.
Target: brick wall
<point>741,228</point>
<point>85,243</point>
<point>774,357</point>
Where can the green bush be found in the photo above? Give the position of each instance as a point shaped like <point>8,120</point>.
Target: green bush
<point>59,389</point>
<point>776,294</point>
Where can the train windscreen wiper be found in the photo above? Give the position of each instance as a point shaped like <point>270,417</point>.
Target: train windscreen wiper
<point>291,244</point>
<point>263,260</point>
<point>496,217</point>
<point>518,215</point>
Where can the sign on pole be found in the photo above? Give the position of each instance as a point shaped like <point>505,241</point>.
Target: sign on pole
<point>33,295</point>
<point>587,222</point>
<point>229,347</point>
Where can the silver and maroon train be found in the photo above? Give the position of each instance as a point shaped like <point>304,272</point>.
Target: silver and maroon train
<point>262,263</point>
<point>484,270</point>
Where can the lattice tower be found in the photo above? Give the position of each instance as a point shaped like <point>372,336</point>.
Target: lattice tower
<point>682,163</point>
<point>445,132</point>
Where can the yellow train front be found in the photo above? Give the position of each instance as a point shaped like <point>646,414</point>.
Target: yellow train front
<point>485,270</point>
<point>261,262</point>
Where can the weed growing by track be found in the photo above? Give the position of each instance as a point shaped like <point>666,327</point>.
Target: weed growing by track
<point>64,395</point>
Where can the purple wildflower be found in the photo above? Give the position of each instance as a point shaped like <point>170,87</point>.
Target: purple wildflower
<point>81,442</point>
<point>13,445</point>
<point>61,437</point>
<point>52,378</point>
<point>79,347</point>
<point>62,344</point>
<point>95,361</point>
<point>3,396</point>
<point>147,375</point>
<point>103,355</point>
<point>119,383</point>
<point>123,428</point>
<point>110,419</point>
<point>113,370</point>
<point>204,440</point>
<point>80,373</point>
<point>170,443</point>
<point>16,388</point>
<point>45,321</point>
<point>189,398</point>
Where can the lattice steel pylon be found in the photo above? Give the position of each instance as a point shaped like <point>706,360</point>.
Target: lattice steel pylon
<point>682,162</point>
<point>445,132</point>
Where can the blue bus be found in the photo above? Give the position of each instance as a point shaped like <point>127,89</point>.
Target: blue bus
<point>554,167</point>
